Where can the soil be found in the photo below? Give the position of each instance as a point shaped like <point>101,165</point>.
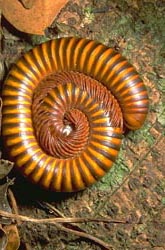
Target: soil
<point>133,192</point>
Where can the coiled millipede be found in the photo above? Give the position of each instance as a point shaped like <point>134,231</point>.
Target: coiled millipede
<point>65,104</point>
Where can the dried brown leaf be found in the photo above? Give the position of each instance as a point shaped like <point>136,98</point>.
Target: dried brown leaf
<point>3,239</point>
<point>4,204</point>
<point>13,237</point>
<point>5,167</point>
<point>0,110</point>
<point>28,4</point>
<point>32,20</point>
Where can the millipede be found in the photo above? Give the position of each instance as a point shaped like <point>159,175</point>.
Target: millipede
<point>66,105</point>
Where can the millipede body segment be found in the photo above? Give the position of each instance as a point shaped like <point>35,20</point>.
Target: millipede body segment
<point>65,104</point>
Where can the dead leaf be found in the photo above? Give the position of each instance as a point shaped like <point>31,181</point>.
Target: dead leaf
<point>4,204</point>
<point>0,112</point>
<point>5,167</point>
<point>28,4</point>
<point>13,242</point>
<point>32,20</point>
<point>3,239</point>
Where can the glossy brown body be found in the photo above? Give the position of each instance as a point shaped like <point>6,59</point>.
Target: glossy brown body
<point>64,106</point>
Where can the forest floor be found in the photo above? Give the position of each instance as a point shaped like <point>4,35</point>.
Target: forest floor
<point>133,192</point>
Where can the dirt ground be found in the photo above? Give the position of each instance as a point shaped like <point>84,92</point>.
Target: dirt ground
<point>133,192</point>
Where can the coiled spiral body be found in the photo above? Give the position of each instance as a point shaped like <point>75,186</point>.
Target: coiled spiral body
<point>64,107</point>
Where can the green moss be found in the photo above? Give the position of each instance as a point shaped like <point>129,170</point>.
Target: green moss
<point>123,27</point>
<point>35,40</point>
<point>160,188</point>
<point>161,85</point>
<point>115,176</point>
<point>150,20</point>
<point>88,13</point>
<point>142,135</point>
<point>142,194</point>
<point>161,113</point>
<point>163,201</point>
